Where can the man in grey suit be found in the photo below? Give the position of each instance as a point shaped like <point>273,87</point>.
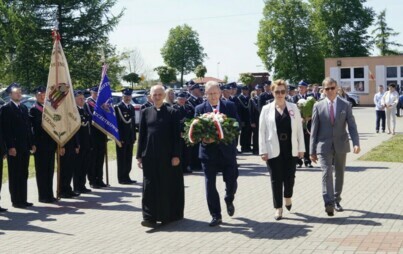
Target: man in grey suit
<point>329,142</point>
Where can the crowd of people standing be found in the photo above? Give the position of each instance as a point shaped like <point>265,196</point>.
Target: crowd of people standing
<point>270,126</point>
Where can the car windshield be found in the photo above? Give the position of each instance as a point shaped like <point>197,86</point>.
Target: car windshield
<point>140,99</point>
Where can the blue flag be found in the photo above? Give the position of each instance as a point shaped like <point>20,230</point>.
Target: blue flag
<point>104,117</point>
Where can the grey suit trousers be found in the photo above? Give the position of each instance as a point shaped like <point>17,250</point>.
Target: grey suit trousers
<point>332,192</point>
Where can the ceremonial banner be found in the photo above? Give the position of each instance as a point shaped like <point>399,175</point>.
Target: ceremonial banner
<point>60,118</point>
<point>104,117</point>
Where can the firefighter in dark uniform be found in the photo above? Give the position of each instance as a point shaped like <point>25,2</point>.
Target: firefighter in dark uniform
<point>98,146</point>
<point>125,115</point>
<point>149,102</point>
<point>243,112</point>
<point>266,96</point>
<point>186,111</point>
<point>233,97</point>
<point>45,150</point>
<point>195,99</point>
<point>226,92</point>
<point>303,94</point>
<point>18,138</point>
<point>254,114</point>
<point>82,159</point>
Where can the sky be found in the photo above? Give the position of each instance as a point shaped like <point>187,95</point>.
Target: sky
<point>227,30</point>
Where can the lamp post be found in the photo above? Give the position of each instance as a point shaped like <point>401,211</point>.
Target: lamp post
<point>218,70</point>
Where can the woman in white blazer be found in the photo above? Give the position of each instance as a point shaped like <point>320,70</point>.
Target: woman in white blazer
<point>281,142</point>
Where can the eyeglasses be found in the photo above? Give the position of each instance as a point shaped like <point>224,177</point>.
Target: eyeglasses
<point>277,92</point>
<point>330,88</point>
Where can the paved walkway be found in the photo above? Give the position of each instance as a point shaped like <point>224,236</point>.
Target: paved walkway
<point>108,221</point>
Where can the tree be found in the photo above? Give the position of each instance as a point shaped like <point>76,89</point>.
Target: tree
<point>225,79</point>
<point>166,74</point>
<point>183,50</point>
<point>132,78</point>
<point>286,42</point>
<point>200,71</point>
<point>382,36</point>
<point>84,28</point>
<point>246,78</point>
<point>341,26</point>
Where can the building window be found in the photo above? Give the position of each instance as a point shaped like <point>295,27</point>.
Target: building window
<point>394,74</point>
<point>354,79</point>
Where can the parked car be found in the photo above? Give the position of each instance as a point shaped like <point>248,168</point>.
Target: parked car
<point>29,102</point>
<point>138,101</point>
<point>354,99</point>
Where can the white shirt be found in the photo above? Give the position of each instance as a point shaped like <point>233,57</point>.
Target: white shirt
<point>334,106</point>
<point>378,101</point>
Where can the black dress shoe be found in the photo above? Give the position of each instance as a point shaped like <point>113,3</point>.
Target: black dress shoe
<point>338,207</point>
<point>74,194</point>
<point>230,209</point>
<point>149,224</point>
<point>95,186</point>
<point>27,204</point>
<point>310,165</point>
<point>329,210</point>
<point>2,210</point>
<point>83,190</point>
<point>299,166</point>
<point>45,200</point>
<point>132,181</point>
<point>65,195</point>
<point>21,206</point>
<point>288,207</point>
<point>125,182</point>
<point>102,184</point>
<point>215,222</point>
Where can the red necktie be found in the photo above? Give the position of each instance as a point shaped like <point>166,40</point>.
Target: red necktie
<point>331,113</point>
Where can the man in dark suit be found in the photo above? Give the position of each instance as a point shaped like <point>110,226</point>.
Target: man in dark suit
<point>125,115</point>
<point>254,114</point>
<point>18,138</point>
<point>218,157</point>
<point>266,95</point>
<point>195,99</point>
<point>45,150</point>
<point>149,102</point>
<point>2,153</point>
<point>303,94</point>
<point>82,159</point>
<point>98,142</point>
<point>243,112</point>
<point>185,112</point>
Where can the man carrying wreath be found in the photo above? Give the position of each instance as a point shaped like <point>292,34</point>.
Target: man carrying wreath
<point>218,157</point>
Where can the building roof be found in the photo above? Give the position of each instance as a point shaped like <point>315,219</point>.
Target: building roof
<point>207,79</point>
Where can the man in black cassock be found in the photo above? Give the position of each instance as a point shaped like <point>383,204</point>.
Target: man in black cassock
<point>158,152</point>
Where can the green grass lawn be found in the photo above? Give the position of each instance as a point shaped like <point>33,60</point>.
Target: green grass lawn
<point>390,151</point>
<point>111,146</point>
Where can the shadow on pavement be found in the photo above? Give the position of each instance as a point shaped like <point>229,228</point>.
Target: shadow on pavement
<point>362,168</point>
<point>350,220</point>
<point>247,227</point>
<point>106,200</point>
<point>22,221</point>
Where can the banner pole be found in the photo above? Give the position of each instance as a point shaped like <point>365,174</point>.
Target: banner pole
<point>58,172</point>
<point>106,163</point>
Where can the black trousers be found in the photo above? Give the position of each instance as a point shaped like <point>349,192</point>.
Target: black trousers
<point>246,136</point>
<point>230,175</point>
<point>195,163</point>
<point>255,138</point>
<point>18,176</point>
<point>82,163</point>
<point>95,174</point>
<point>185,155</point>
<point>1,172</point>
<point>124,160</point>
<point>44,171</point>
<point>307,159</point>
<point>380,115</point>
<point>282,174</point>
<point>66,170</point>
